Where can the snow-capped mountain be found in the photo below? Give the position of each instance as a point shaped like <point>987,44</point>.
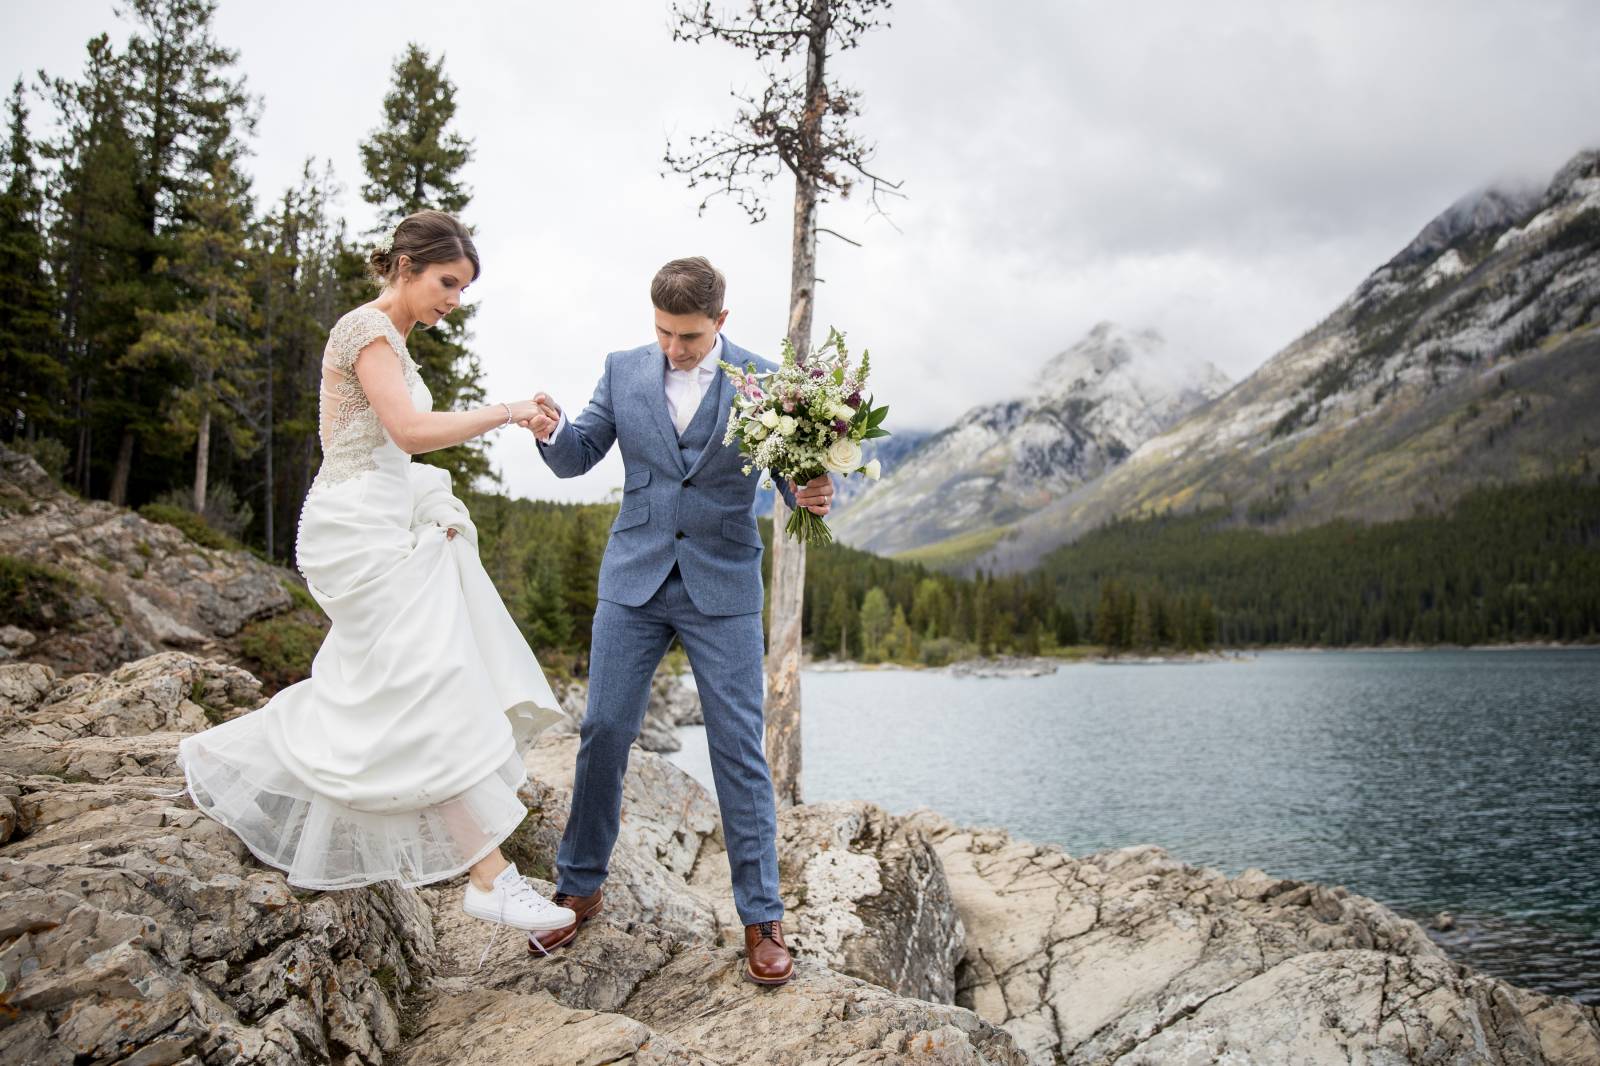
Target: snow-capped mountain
<point>1473,355</point>
<point>1087,410</point>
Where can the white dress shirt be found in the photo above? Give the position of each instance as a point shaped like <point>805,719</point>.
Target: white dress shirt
<point>685,390</point>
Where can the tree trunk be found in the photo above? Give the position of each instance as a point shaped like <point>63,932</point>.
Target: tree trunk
<point>789,557</point>
<point>119,476</point>
<point>202,451</point>
<point>267,518</point>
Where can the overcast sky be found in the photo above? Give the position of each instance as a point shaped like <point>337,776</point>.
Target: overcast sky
<point>1223,172</point>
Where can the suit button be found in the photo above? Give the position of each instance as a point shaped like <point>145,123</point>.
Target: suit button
<point>681,534</point>
<point>687,483</point>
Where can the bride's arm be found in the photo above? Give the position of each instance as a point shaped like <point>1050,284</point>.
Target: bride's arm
<point>415,431</point>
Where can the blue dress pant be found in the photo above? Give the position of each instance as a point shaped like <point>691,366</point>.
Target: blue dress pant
<point>725,653</point>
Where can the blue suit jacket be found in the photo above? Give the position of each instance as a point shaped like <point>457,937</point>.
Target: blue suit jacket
<point>700,517</point>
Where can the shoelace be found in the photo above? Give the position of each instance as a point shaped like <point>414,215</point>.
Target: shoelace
<point>521,889</point>
<point>768,930</point>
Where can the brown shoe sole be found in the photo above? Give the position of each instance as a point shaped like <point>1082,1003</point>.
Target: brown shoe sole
<point>564,941</point>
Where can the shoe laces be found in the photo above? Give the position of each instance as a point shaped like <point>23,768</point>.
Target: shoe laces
<point>521,890</point>
<point>526,893</point>
<point>768,930</point>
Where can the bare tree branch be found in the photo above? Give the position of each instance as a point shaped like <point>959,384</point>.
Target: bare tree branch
<point>804,128</point>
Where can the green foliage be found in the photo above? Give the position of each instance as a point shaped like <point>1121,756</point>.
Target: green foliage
<point>413,161</point>
<point>279,650</point>
<point>156,328</point>
<point>206,332</point>
<point>1509,563</point>
<point>544,559</point>
<point>190,525</point>
<point>32,595</point>
<point>31,376</point>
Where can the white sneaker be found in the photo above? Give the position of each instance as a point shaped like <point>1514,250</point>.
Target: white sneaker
<point>516,903</point>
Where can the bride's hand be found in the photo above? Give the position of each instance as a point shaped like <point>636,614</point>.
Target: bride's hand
<point>545,419</point>
<point>523,410</point>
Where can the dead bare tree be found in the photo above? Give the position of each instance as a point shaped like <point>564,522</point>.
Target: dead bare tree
<point>799,122</point>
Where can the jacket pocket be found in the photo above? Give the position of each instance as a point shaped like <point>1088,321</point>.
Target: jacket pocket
<point>633,516</point>
<point>736,530</point>
<point>638,479</point>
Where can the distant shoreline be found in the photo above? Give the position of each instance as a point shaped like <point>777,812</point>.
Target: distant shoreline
<point>1039,665</point>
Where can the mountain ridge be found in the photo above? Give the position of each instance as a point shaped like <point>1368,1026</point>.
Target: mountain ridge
<point>1088,408</point>
<point>1469,356</point>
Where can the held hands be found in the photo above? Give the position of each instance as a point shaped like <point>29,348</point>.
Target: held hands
<point>539,416</point>
<point>816,495</point>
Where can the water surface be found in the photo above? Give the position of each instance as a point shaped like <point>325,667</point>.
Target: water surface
<point>1459,781</point>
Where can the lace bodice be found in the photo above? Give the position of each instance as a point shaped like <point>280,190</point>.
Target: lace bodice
<point>350,431</point>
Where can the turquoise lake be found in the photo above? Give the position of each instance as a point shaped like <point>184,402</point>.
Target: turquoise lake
<point>1459,781</point>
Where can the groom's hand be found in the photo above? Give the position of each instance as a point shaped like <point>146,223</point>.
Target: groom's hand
<point>816,495</point>
<point>544,422</point>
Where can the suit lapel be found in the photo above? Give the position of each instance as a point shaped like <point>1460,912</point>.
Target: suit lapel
<point>654,390</point>
<point>724,401</point>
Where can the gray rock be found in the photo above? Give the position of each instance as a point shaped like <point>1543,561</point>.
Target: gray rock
<point>134,929</point>
<point>171,691</point>
<point>133,925</point>
<point>864,893</point>
<point>136,586</point>
<point>1133,957</point>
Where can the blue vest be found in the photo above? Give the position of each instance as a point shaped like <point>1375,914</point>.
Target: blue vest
<point>697,434</point>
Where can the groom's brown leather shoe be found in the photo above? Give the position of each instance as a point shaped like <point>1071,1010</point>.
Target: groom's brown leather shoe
<point>767,960</point>
<point>544,941</point>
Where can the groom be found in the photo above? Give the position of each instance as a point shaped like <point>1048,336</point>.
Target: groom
<point>684,559</point>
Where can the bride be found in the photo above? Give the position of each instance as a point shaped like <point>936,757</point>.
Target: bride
<point>400,757</point>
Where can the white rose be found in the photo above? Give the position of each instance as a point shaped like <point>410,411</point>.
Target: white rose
<point>843,412</point>
<point>787,425</point>
<point>769,419</point>
<point>755,432</point>
<point>873,470</point>
<point>843,456</point>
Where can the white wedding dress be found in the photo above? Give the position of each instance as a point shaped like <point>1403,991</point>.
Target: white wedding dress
<point>400,757</point>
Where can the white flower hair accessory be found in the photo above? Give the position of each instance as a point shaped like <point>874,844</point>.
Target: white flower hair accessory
<point>386,242</point>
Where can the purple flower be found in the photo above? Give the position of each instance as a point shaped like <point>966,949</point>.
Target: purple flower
<point>841,427</point>
<point>818,373</point>
<point>855,399</point>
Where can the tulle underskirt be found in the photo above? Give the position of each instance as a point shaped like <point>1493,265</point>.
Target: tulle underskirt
<point>320,843</point>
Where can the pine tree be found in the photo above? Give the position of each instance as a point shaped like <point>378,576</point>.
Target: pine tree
<point>96,243</point>
<point>840,621</point>
<point>874,623</point>
<point>902,641</point>
<point>1066,626</point>
<point>32,378</point>
<point>303,276</point>
<point>207,331</point>
<point>413,161</point>
<point>186,112</point>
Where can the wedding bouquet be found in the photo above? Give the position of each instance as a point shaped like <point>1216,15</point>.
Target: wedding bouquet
<point>803,419</point>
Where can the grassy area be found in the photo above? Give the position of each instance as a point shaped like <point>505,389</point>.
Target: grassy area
<point>953,552</point>
<point>32,595</point>
<point>190,525</point>
<point>279,650</point>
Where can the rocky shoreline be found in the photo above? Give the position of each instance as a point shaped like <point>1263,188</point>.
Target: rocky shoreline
<point>133,929</point>
<point>1025,665</point>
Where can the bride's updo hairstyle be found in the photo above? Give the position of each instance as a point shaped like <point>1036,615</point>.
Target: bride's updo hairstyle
<point>425,237</point>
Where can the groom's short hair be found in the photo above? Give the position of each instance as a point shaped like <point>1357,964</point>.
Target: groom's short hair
<point>689,286</point>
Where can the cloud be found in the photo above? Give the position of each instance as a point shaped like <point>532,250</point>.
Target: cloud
<point>1224,172</point>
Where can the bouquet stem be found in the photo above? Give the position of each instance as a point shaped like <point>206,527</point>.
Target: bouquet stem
<point>808,528</point>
